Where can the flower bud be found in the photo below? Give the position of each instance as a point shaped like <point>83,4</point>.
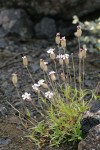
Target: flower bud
<point>79,31</point>
<point>25,61</point>
<point>14,79</point>
<point>63,42</point>
<point>57,39</point>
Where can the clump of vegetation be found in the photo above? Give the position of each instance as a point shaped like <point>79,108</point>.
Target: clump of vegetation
<point>61,97</point>
<point>92,33</point>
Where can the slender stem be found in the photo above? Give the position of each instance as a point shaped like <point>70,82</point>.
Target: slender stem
<point>22,113</point>
<point>74,70</point>
<point>58,49</point>
<point>80,73</point>
<point>50,82</point>
<point>37,109</point>
<point>83,72</point>
<point>56,71</point>
<point>30,74</point>
<point>79,43</point>
<point>79,65</point>
<point>70,79</point>
<point>20,97</point>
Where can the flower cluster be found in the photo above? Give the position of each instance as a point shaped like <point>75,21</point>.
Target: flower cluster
<point>41,85</point>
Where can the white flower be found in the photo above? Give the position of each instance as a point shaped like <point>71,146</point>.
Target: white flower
<point>45,63</point>
<point>49,94</point>
<point>40,82</point>
<point>59,56</point>
<point>24,57</point>
<point>26,96</point>
<point>51,72</point>
<point>85,49</point>
<point>51,50</point>
<point>35,87</point>
<point>65,56</point>
<point>63,38</point>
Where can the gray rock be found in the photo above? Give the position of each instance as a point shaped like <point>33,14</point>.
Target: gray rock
<point>95,106</point>
<point>66,8</point>
<point>3,43</point>
<point>3,111</point>
<point>92,141</point>
<point>15,22</point>
<point>34,67</point>
<point>4,141</point>
<point>46,28</point>
<point>18,105</point>
<point>91,118</point>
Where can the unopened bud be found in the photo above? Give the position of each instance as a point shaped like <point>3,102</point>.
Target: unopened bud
<point>14,79</point>
<point>57,38</point>
<point>25,61</point>
<point>63,42</point>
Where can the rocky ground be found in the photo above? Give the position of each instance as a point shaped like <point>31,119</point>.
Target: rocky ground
<point>20,36</point>
<point>11,62</point>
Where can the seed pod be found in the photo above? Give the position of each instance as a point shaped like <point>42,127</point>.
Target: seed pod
<point>25,61</point>
<point>79,31</point>
<point>57,39</point>
<point>14,79</point>
<point>63,42</point>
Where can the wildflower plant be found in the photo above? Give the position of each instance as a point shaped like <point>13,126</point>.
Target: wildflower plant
<point>61,97</point>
